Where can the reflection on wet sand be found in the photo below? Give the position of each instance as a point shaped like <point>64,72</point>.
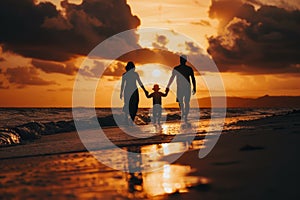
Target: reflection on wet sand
<point>168,178</point>
<point>81,176</point>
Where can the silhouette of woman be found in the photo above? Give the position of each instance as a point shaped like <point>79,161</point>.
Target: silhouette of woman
<point>130,91</point>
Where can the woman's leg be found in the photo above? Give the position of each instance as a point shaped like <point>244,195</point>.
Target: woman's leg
<point>126,109</point>
<point>133,104</point>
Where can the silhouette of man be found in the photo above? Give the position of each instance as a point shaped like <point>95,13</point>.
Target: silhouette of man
<point>183,74</point>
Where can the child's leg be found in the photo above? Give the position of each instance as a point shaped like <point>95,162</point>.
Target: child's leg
<point>154,114</point>
<point>159,110</point>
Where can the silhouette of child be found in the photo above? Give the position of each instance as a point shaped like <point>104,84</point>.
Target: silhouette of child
<point>156,97</point>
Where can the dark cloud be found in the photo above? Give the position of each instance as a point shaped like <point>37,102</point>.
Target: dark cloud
<point>255,41</point>
<point>224,10</point>
<point>201,23</point>
<point>115,69</point>
<point>55,67</point>
<point>60,90</point>
<point>192,48</point>
<point>161,42</point>
<point>97,69</point>
<point>58,23</point>
<point>171,59</point>
<point>41,31</point>
<point>139,57</point>
<point>286,4</point>
<point>23,76</point>
<point>145,56</point>
<point>115,78</point>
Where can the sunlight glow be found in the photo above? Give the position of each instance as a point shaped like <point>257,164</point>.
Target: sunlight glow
<point>156,73</point>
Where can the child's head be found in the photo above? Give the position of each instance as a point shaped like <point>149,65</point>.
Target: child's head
<point>156,87</point>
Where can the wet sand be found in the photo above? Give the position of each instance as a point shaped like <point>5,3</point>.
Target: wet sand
<point>261,162</point>
<point>258,162</point>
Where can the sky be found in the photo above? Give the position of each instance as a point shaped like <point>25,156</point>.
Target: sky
<point>44,46</point>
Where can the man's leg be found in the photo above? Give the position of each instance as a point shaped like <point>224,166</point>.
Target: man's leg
<point>181,106</point>
<point>186,109</point>
<point>187,99</point>
<point>180,95</point>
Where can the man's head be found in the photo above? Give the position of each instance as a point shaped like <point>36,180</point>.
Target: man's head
<point>183,59</point>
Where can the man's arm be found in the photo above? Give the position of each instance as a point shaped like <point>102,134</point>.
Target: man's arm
<point>194,82</point>
<point>171,79</point>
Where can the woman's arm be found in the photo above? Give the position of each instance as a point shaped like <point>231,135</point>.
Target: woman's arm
<point>122,87</point>
<point>140,83</point>
<point>148,95</point>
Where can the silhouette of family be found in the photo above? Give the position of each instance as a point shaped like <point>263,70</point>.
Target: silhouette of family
<point>183,73</point>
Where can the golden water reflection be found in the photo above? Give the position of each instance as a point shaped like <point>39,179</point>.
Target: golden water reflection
<point>168,178</point>
<point>172,178</point>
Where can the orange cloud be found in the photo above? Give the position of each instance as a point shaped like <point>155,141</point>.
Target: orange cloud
<point>23,76</point>
<point>55,67</point>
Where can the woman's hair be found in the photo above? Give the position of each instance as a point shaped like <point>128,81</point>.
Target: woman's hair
<point>130,65</point>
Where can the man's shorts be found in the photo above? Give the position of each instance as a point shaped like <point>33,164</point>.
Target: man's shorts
<point>183,94</point>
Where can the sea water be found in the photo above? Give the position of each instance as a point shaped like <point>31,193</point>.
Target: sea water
<point>10,117</point>
<point>18,124</point>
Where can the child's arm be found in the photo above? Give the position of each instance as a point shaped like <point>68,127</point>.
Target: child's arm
<point>165,94</point>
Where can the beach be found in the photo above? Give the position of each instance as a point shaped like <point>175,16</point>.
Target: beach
<point>258,161</point>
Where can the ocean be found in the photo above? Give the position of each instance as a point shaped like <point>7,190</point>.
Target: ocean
<point>19,124</point>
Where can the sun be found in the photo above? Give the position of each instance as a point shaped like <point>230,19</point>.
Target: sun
<point>156,73</point>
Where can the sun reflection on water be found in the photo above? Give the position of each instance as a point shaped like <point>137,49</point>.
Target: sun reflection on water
<point>166,178</point>
<point>169,178</point>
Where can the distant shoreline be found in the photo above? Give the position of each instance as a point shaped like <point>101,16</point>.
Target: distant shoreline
<point>205,102</point>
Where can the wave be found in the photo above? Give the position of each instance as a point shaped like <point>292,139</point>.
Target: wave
<point>34,130</point>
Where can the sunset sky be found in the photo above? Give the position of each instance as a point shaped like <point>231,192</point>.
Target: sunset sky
<point>254,43</point>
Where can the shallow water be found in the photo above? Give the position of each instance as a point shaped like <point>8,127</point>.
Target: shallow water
<point>81,176</point>
<point>22,124</point>
<point>17,116</point>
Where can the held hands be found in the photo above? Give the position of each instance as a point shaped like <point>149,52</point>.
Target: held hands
<point>146,92</point>
<point>167,90</point>
<point>194,91</point>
